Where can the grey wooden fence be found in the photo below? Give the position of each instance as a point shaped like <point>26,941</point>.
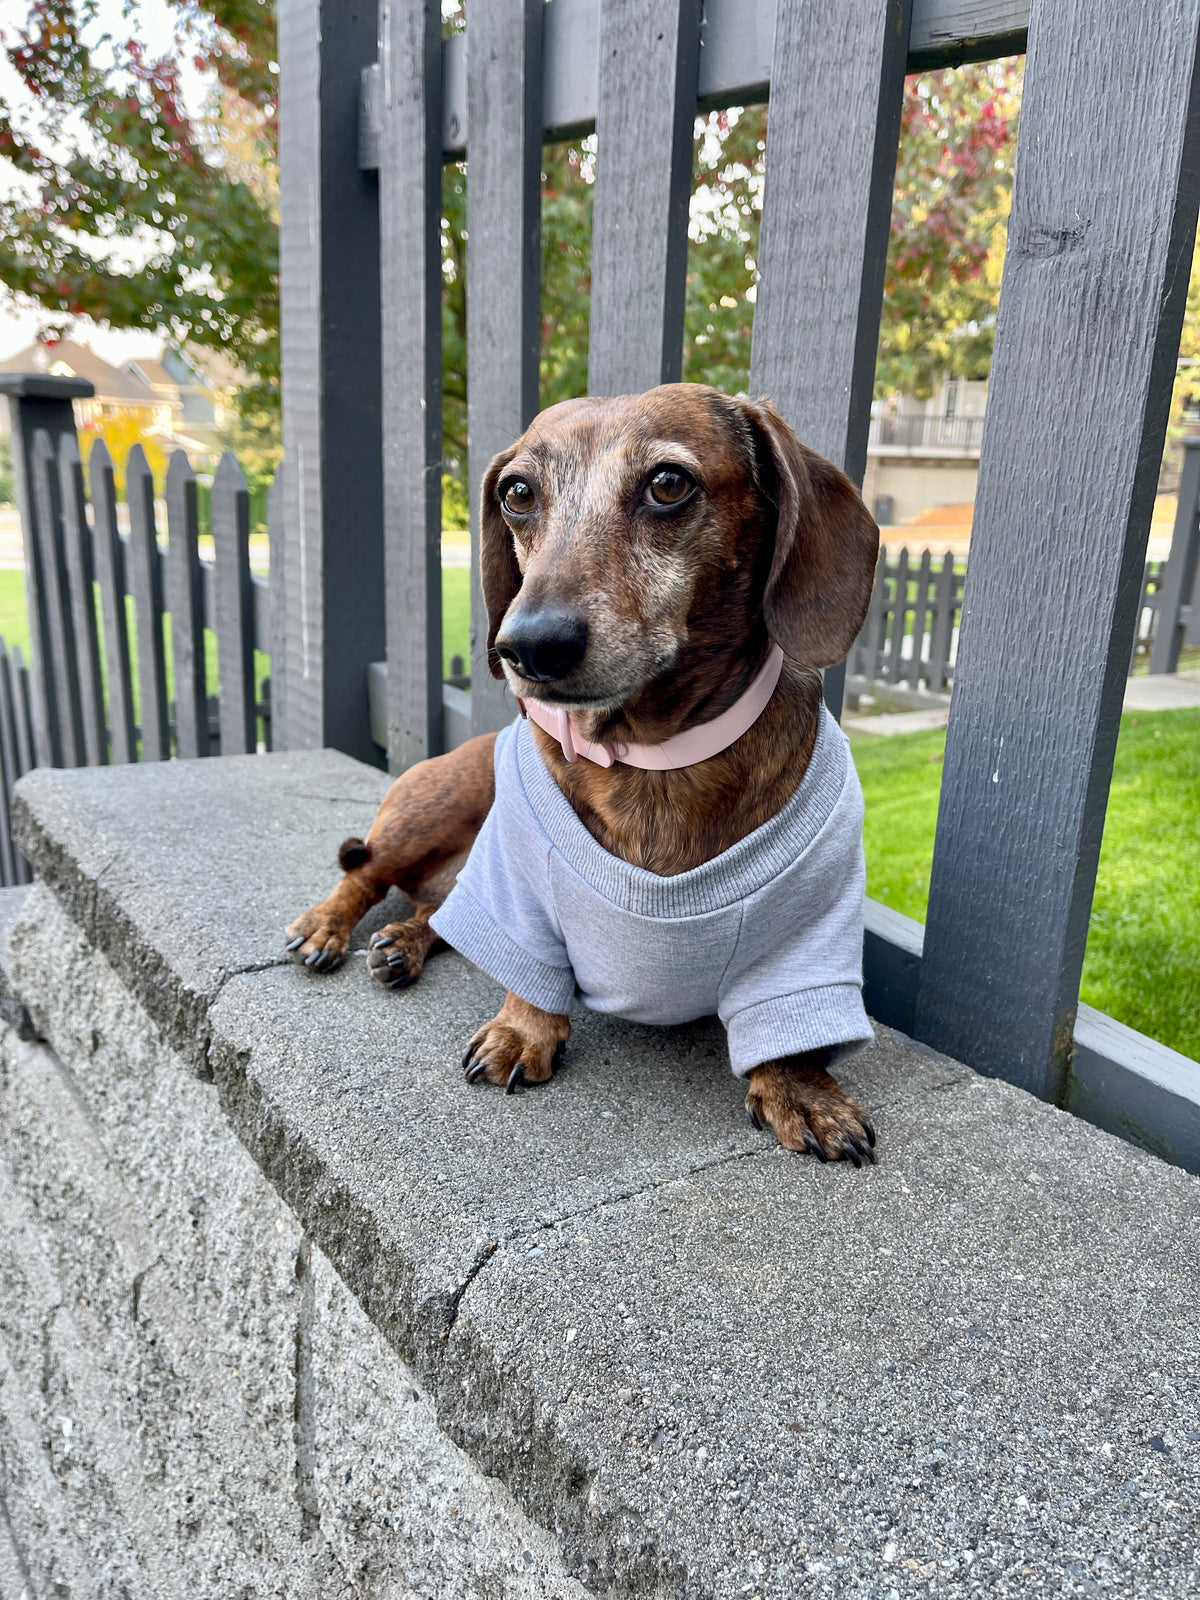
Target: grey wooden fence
<point>910,637</point>
<point>1087,333</point>
<point>114,615</point>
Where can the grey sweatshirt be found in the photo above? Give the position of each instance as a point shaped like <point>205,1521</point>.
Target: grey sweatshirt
<point>768,935</point>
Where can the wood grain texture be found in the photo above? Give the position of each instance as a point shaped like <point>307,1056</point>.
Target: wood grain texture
<point>185,601</point>
<point>77,550</point>
<point>234,608</point>
<point>110,576</point>
<point>504,202</point>
<point>1099,244</point>
<point>838,81</point>
<point>145,584</point>
<point>409,212</point>
<point>645,113</point>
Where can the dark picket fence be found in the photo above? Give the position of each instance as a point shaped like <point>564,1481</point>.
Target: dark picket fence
<point>95,690</point>
<point>910,637</point>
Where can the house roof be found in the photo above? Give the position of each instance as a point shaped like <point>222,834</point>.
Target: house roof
<point>76,360</point>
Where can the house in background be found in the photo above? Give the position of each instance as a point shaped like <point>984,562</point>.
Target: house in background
<point>923,455</point>
<point>165,404</point>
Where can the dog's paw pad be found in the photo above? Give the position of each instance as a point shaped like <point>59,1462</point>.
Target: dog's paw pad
<point>396,954</point>
<point>810,1112</point>
<point>313,941</point>
<point>509,1058</point>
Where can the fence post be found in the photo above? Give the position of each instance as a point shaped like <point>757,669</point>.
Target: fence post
<point>1179,576</point>
<point>39,403</point>
<point>1074,435</point>
<point>329,284</point>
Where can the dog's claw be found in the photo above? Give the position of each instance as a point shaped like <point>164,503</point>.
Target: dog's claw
<point>402,980</point>
<point>477,1069</point>
<point>379,940</point>
<point>516,1076</point>
<point>467,1055</point>
<point>850,1151</point>
<point>754,1118</point>
<point>869,1130</point>
<point>295,943</point>
<point>396,958</point>
<point>313,957</point>
<point>813,1144</point>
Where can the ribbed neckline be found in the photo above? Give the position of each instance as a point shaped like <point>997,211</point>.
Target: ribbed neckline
<point>745,868</point>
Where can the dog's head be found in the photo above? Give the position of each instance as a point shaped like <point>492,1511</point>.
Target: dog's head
<point>622,538</point>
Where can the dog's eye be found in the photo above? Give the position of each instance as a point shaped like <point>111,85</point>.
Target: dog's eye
<point>669,487</point>
<point>518,498</point>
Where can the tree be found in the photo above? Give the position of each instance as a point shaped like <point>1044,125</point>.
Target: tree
<point>127,209</point>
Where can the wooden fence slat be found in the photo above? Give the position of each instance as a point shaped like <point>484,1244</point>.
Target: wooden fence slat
<point>22,711</point>
<point>56,636</point>
<point>234,608</point>
<point>410,197</point>
<point>645,111</point>
<point>10,771</point>
<point>77,539</point>
<point>943,625</point>
<point>275,641</point>
<point>1095,281</point>
<point>1179,576</point>
<point>110,575</point>
<point>918,666</point>
<point>185,601</point>
<point>837,84</point>
<point>895,663</point>
<point>504,201</point>
<point>145,583</point>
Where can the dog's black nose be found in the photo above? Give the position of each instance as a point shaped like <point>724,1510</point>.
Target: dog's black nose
<point>543,644</point>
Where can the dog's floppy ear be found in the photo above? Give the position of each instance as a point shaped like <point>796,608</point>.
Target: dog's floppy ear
<point>500,577</point>
<point>826,545</point>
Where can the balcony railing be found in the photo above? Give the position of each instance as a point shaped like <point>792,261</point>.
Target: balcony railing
<point>928,433</point>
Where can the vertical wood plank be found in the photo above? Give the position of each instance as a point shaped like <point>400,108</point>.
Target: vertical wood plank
<point>234,608</point>
<point>1095,279</point>
<point>185,601</point>
<point>410,195</point>
<point>110,575</point>
<point>916,664</point>
<point>873,628</point>
<point>645,111</point>
<point>329,281</point>
<point>1179,575</point>
<point>837,83</point>
<point>895,665</point>
<point>10,771</point>
<point>504,202</point>
<point>277,644</point>
<point>943,625</point>
<point>145,583</point>
<point>22,714</point>
<point>58,668</point>
<point>77,540</point>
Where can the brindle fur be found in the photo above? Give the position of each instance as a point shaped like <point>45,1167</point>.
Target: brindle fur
<point>681,612</point>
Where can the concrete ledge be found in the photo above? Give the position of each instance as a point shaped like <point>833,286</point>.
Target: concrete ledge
<point>704,1366</point>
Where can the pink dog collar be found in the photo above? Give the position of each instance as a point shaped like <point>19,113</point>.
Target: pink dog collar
<point>684,749</point>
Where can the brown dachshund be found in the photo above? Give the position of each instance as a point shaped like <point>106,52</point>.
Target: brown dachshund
<point>639,557</point>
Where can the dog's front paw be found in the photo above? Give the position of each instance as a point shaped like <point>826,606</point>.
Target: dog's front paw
<point>319,939</point>
<point>396,954</point>
<point>520,1045</point>
<point>809,1110</point>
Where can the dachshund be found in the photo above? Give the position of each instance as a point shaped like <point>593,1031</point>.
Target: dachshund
<point>655,568</point>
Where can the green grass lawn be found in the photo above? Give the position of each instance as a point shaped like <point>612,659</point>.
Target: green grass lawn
<point>1143,954</point>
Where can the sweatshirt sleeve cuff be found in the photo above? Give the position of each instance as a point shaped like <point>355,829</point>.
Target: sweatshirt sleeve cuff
<point>463,923</point>
<point>832,1017</point>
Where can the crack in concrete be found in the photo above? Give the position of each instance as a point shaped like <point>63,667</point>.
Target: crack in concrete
<point>484,1255</point>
